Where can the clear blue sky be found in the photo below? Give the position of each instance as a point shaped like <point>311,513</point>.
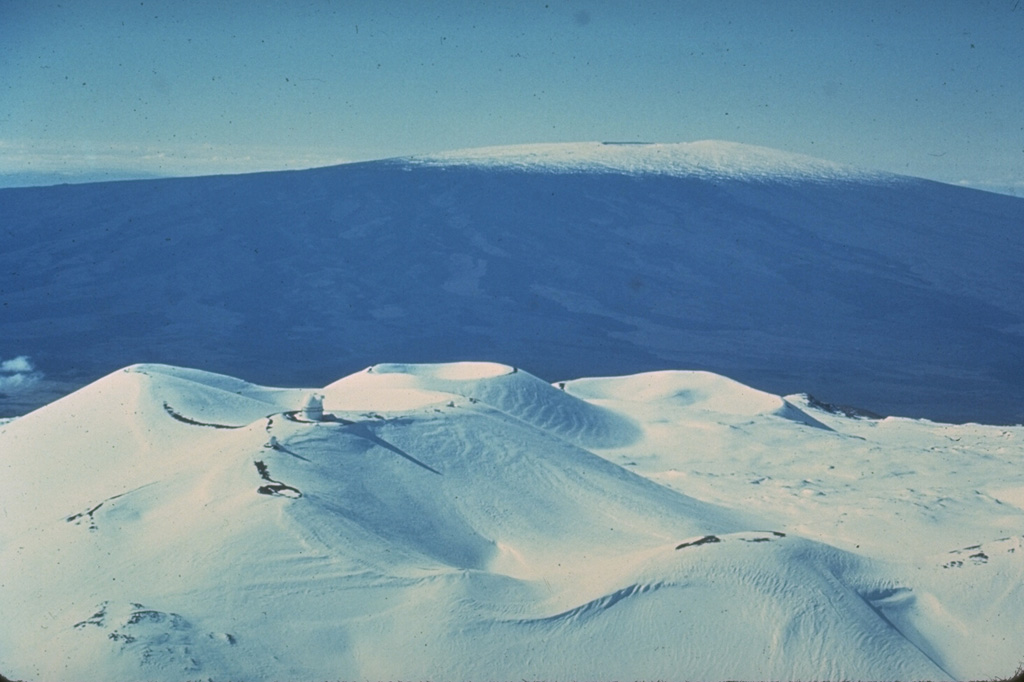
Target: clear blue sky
<point>931,88</point>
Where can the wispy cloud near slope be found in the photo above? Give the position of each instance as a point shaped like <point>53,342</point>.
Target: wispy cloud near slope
<point>89,160</point>
<point>18,373</point>
<point>1013,187</point>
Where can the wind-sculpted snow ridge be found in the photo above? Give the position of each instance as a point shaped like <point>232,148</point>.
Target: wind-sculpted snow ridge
<point>706,158</point>
<point>469,521</point>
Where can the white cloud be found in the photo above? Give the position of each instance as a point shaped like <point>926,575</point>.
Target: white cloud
<point>18,373</point>
<point>18,364</point>
<point>1013,187</point>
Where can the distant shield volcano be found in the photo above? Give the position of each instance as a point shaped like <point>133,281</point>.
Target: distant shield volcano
<point>898,295</point>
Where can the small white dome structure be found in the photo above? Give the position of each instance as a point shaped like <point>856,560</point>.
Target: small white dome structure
<point>313,410</point>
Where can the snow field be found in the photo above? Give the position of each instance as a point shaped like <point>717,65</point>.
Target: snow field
<point>469,520</point>
<point>706,158</point>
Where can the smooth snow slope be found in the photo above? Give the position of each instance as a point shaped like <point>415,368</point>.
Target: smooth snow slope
<point>790,274</point>
<point>708,159</point>
<point>468,521</point>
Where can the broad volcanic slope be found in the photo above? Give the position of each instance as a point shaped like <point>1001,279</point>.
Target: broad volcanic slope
<point>898,295</point>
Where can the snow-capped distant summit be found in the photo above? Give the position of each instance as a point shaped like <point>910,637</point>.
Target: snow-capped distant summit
<point>706,158</point>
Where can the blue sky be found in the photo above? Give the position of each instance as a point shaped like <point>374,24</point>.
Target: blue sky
<point>107,88</point>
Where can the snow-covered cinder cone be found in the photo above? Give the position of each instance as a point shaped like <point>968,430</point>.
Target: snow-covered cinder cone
<point>313,410</point>
<point>488,540</point>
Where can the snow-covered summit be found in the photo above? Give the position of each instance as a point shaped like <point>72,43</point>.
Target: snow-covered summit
<point>705,158</point>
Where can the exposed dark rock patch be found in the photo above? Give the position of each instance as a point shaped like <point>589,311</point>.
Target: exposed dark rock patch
<point>187,420</point>
<point>707,539</point>
<point>275,487</point>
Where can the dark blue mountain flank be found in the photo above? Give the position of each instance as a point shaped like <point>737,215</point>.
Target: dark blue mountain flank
<point>895,295</point>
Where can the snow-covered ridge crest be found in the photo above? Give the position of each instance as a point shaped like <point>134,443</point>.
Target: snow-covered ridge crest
<point>706,158</point>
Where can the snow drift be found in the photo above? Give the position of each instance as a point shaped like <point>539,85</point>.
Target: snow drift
<point>470,521</point>
<point>787,273</point>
